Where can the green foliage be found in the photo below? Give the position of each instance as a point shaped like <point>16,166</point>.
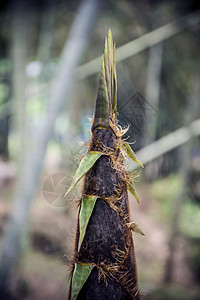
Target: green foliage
<point>3,92</point>
<point>5,66</point>
<point>87,206</point>
<point>80,275</point>
<point>131,189</point>
<point>130,153</point>
<point>194,256</point>
<point>164,191</point>
<point>106,103</point>
<point>36,106</point>
<point>190,219</point>
<point>86,163</point>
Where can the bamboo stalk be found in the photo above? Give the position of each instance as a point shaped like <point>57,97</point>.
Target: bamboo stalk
<point>137,45</point>
<point>142,43</point>
<point>167,143</point>
<point>185,154</point>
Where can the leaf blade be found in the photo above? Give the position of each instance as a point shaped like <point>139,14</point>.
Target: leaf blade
<point>80,276</point>
<point>85,165</point>
<point>87,206</point>
<point>135,228</point>
<point>132,190</point>
<point>130,153</point>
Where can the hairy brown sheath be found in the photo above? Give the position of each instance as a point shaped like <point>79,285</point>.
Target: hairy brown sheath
<point>107,244</point>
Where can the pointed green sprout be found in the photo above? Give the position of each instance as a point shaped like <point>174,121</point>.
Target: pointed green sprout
<point>131,189</point>
<point>131,153</point>
<point>85,165</point>
<point>87,206</point>
<point>101,119</point>
<point>106,103</point>
<point>80,276</point>
<point>114,85</point>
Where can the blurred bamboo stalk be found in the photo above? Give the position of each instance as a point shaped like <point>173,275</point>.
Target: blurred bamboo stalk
<point>130,49</point>
<point>46,32</point>
<point>167,143</point>
<point>152,96</point>
<point>136,46</point>
<point>142,43</point>
<point>152,93</point>
<point>27,186</point>
<point>192,112</point>
<point>20,33</point>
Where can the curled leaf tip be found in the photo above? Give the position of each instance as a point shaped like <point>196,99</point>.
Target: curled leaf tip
<point>134,227</point>
<point>132,190</point>
<point>131,154</point>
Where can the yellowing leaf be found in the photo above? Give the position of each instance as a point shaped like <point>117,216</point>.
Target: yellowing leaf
<point>86,163</point>
<point>87,206</point>
<point>131,189</point>
<point>131,153</point>
<point>133,226</point>
<point>80,276</point>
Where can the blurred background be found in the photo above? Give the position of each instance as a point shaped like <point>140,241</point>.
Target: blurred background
<point>49,68</point>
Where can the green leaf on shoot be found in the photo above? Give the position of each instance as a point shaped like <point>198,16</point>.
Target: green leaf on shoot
<point>131,189</point>
<point>80,276</point>
<point>87,206</point>
<point>130,153</point>
<point>85,165</point>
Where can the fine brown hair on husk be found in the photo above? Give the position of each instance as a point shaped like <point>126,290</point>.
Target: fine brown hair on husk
<point>104,252</point>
